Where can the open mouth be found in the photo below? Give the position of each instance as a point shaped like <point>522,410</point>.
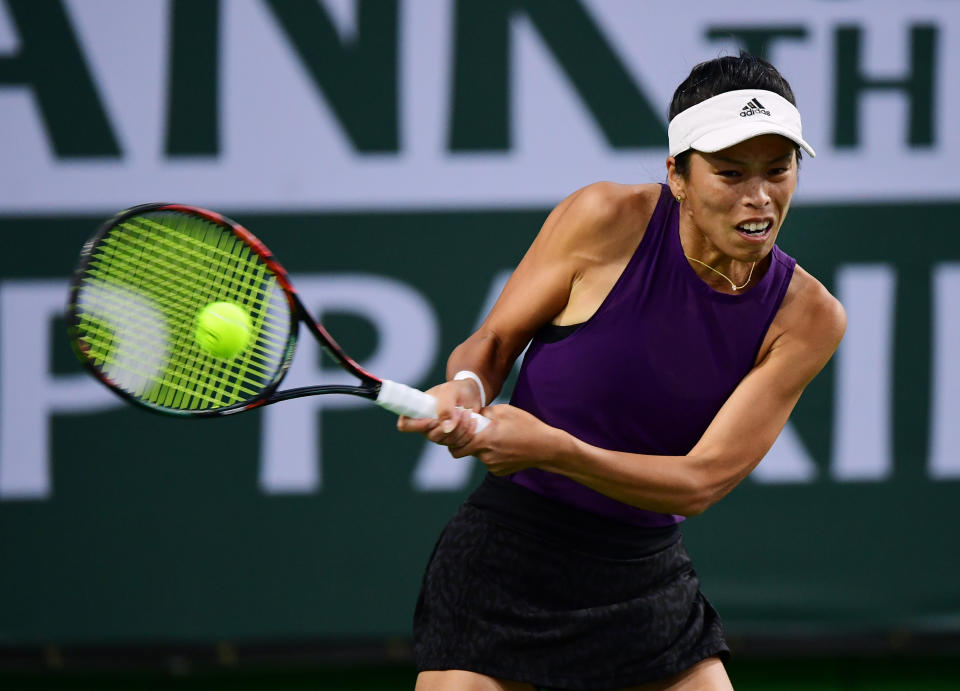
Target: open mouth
<point>755,230</point>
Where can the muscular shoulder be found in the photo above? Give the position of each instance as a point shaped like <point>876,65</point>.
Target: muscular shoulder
<point>603,220</point>
<point>810,316</point>
<point>603,203</point>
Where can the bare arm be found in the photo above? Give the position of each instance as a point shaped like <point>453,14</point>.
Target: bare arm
<point>588,236</point>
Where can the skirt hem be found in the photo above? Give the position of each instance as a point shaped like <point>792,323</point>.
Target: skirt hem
<point>580,684</point>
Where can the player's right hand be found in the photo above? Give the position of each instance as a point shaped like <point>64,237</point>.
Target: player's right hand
<point>453,425</point>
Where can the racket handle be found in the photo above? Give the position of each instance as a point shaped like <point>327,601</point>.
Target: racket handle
<point>404,400</point>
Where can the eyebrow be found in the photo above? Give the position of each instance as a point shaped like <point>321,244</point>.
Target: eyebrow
<point>726,159</point>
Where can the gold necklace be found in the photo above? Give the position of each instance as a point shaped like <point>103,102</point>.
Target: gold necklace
<point>733,285</point>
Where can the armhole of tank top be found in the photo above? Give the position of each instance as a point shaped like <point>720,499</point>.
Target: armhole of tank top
<point>660,213</point>
<point>553,333</point>
<point>789,266</point>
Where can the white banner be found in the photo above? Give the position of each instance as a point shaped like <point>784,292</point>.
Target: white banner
<point>876,83</point>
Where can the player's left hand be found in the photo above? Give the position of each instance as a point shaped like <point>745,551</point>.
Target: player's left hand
<point>514,440</point>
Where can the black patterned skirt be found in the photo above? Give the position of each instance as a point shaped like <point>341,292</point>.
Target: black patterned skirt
<point>525,588</point>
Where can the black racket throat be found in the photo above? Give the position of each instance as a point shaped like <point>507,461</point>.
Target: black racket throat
<point>369,391</point>
<point>370,385</point>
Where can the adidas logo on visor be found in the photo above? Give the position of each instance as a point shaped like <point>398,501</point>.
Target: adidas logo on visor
<point>753,107</point>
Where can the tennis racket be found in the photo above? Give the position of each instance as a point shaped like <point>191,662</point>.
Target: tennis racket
<point>136,311</point>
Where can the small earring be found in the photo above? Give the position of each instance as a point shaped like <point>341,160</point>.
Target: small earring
<point>679,197</point>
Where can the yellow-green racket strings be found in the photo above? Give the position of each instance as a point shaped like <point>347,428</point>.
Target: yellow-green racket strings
<point>137,306</point>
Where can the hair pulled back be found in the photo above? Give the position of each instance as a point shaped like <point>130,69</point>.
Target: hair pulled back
<point>720,75</point>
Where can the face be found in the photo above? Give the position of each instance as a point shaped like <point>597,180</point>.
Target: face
<point>735,200</point>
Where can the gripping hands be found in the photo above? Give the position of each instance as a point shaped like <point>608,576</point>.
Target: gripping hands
<point>407,401</point>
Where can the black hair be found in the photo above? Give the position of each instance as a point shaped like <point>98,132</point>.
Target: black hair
<point>727,73</point>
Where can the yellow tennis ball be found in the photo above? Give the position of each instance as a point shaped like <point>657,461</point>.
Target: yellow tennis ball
<point>223,329</point>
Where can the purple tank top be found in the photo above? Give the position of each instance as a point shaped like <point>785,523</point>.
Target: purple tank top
<point>651,368</point>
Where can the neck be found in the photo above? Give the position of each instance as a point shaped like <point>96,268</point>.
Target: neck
<point>720,271</point>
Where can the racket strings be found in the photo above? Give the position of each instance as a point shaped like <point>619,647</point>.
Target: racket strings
<point>164,288</point>
<point>137,306</point>
<point>187,365</point>
<point>227,278</point>
<point>171,301</point>
<point>230,276</point>
<point>145,326</point>
<point>233,272</point>
<point>190,373</point>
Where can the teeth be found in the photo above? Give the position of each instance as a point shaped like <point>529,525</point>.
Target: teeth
<point>754,227</point>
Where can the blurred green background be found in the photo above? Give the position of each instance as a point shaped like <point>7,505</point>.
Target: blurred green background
<point>398,157</point>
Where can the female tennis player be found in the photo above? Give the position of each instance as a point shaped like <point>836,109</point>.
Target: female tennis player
<point>671,339</point>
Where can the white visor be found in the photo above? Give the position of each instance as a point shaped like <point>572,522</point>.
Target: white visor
<point>733,117</point>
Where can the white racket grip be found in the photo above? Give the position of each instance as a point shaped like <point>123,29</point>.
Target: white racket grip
<point>404,400</point>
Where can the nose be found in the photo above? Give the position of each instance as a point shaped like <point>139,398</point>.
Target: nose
<point>756,194</point>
